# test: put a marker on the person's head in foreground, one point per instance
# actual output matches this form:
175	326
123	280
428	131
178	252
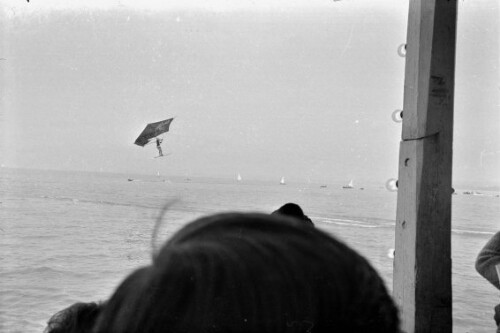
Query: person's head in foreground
77	318
293	210
257	273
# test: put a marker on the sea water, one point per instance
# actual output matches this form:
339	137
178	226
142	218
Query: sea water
70	236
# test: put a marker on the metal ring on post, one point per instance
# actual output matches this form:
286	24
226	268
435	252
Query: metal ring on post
391	185
397	116
402	50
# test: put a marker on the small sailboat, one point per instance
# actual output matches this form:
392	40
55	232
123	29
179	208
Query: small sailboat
350	185
238	178
282	181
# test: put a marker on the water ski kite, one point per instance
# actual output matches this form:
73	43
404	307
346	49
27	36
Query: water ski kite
152	133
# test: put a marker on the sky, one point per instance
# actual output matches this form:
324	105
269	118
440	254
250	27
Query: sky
303	89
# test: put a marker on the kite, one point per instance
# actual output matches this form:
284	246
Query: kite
152	131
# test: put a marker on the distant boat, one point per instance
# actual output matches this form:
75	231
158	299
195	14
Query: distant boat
472	193
323	186
238	178
282	181
350	185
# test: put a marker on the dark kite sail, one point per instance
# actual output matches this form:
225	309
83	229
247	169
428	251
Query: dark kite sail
153	130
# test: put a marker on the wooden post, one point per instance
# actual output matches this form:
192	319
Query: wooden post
422	265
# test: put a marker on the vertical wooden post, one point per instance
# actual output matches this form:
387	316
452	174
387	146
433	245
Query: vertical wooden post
422	265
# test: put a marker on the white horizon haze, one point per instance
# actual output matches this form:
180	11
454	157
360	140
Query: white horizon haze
301	89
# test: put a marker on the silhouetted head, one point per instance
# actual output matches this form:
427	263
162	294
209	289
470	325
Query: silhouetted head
77	318
263	273
497	315
293	210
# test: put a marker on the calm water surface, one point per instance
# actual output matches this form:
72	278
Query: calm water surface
69	236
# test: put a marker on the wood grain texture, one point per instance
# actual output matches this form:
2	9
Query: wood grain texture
422	265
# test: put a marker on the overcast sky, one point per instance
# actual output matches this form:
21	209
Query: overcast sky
302	89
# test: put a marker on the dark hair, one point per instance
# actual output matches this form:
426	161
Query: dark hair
293	210
252	273
77	318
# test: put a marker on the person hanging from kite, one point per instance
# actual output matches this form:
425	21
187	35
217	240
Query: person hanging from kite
152	133
158	146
